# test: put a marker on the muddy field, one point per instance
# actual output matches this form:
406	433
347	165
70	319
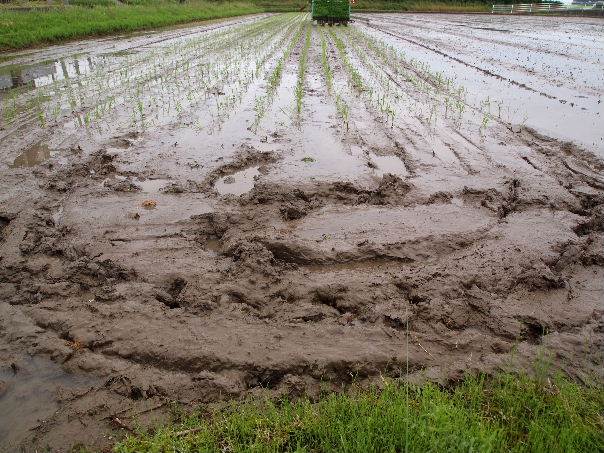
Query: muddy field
262	206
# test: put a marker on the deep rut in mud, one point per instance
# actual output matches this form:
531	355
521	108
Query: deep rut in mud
173	229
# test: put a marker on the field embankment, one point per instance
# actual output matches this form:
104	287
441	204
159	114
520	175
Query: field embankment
26	24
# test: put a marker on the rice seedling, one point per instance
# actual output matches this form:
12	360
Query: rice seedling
327	72
343	110
302	70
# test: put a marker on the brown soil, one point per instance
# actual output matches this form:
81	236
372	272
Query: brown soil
215	252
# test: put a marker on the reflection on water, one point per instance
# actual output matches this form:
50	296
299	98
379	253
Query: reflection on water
44	74
32	156
388	164
238	183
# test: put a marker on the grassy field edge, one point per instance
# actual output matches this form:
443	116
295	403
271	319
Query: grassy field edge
507	412
23	29
24	26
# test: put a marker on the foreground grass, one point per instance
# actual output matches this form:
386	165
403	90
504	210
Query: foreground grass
505	413
25	24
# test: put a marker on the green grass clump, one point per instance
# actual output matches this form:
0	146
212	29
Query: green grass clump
506	413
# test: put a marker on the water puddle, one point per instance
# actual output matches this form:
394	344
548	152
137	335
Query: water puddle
32	156
238	183
213	245
152	185
28	395
388	164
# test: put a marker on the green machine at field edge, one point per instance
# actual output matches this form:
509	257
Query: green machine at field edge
331	11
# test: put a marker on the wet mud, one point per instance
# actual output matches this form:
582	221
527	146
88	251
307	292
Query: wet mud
174	229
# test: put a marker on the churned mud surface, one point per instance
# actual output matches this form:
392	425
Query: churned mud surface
263	206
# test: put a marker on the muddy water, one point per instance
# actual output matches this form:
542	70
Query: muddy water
387	164
32	156
31	389
172	228
238	183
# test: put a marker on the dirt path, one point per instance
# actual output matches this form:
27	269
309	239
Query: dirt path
172	229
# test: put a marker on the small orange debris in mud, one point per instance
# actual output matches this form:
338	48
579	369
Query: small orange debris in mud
76	345
149	204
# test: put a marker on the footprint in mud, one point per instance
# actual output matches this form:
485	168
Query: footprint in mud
238	183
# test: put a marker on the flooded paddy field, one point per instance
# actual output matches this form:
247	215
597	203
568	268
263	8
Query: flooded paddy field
262	206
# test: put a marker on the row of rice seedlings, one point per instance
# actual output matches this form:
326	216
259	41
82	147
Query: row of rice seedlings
55	89
236	75
262	102
341	106
355	77
302	66
261	62
382	99
368	91
237	81
328	73
410	104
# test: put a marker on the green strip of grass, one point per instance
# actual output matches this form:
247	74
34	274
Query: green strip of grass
422	6
19	29
507	413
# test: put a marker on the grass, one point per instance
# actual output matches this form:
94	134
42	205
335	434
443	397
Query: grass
423	6
25	29
505	413
25	24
